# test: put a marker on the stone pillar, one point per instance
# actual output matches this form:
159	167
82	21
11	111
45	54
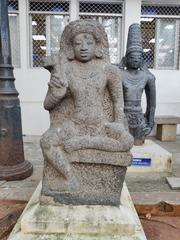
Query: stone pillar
74	10
12	163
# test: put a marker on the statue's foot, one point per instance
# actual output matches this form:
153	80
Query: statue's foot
73	183
114	130
118	132
138	142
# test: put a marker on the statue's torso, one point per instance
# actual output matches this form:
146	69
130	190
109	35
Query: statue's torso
133	87
87	83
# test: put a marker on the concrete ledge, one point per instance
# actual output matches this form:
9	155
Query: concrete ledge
132	229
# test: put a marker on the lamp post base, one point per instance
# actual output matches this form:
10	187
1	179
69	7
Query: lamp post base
16	172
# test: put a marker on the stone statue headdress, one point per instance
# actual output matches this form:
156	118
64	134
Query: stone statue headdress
85	26
134	43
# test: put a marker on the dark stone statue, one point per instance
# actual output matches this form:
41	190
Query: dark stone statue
136	78
86	148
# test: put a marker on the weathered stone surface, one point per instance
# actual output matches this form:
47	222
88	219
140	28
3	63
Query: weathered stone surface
86	148
99	222
88	220
137	78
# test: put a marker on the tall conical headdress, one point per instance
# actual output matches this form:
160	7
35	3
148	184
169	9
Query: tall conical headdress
134	42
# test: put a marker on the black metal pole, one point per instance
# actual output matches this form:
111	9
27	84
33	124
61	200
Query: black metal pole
12	163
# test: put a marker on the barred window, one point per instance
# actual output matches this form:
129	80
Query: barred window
110	16
13	14
47	21
160	27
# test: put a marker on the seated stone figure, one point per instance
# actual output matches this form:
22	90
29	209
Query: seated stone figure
86	146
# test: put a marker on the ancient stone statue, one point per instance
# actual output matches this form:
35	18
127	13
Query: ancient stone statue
86	148
136	78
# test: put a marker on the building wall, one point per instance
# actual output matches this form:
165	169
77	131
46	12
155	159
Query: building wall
32	82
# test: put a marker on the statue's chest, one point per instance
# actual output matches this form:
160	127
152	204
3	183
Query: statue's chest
87	81
134	86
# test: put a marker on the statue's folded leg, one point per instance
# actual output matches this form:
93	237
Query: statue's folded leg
53	153
98	142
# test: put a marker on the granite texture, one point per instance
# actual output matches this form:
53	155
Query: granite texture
136	79
86	148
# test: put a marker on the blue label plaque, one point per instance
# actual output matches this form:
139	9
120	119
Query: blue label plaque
142	162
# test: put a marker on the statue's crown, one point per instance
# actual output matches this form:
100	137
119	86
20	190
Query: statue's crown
134	42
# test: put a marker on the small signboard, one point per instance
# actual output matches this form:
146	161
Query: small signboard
141	162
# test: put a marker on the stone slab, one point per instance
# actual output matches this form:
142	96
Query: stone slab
133	233
161	159
87	220
174	182
167	119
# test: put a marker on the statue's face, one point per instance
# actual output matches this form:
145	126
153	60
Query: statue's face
84	46
134	60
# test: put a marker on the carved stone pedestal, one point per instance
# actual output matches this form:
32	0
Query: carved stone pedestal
50	222
98	178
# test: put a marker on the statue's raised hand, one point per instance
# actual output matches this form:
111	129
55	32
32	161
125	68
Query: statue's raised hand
58	86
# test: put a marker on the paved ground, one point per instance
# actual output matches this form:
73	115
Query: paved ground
144	187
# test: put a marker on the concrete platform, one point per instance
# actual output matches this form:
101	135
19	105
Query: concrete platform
78	223
150	157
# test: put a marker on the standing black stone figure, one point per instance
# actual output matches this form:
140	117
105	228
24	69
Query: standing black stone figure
136	79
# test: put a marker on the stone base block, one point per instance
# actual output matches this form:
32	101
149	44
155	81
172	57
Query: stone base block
166	132
67	222
160	160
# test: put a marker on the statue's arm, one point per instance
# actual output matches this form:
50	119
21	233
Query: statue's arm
56	87
150	90
116	93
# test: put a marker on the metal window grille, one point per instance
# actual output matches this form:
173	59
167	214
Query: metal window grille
49	6
160	10
100	7
110	16
13	13
13	5
47	21
160	26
